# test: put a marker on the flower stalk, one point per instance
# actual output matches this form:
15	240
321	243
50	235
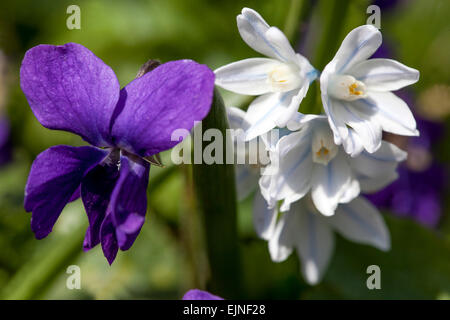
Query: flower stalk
335	13
297	14
216	198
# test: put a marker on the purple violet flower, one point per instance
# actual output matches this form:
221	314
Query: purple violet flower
196	294
69	88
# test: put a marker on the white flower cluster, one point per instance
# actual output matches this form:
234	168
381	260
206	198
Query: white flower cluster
321	163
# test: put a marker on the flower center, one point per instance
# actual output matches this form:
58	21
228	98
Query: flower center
285	77
323	147
346	87
323	152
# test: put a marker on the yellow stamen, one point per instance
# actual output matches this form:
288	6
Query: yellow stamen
352	90
322	151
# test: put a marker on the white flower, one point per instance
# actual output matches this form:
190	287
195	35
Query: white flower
311	234
251	157
246	175
309	160
281	80
357	97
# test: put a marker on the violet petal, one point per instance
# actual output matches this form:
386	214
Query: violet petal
96	189
108	239
151	107
54	177
76	195
69	88
196	294
129	200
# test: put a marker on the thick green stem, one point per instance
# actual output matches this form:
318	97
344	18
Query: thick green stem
216	196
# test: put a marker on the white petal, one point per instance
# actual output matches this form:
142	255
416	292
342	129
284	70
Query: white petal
376	170
271	138
393	113
246	176
353	144
264	111
282	241
249	76
372	184
265	187
290	199
295	162
385	159
365	126
236	118
361	222
351	192
337	124
264	219
314	243
246	180
384	74
269	41
291	111
306	68
328	183
357	46
300	119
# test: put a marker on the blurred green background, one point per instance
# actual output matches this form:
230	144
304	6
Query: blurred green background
168	257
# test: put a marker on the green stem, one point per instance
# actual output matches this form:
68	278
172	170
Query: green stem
192	234
291	26
216	196
298	12
335	12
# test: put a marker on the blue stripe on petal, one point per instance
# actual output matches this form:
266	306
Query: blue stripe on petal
245	77
253	23
353	54
329	175
267	114
331	117
379	75
312	75
359	221
293	168
387	115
